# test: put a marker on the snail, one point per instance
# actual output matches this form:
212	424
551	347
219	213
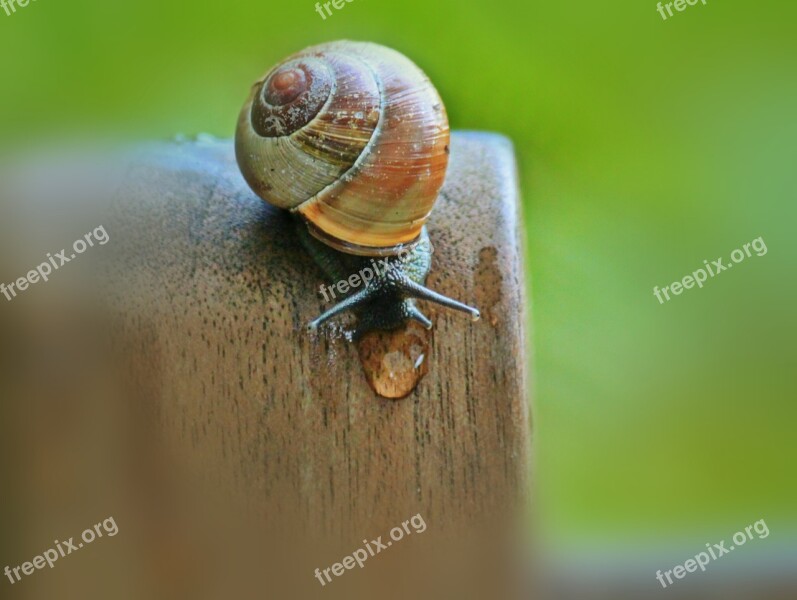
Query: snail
352	138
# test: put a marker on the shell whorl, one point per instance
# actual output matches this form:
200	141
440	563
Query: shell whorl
290	97
353	137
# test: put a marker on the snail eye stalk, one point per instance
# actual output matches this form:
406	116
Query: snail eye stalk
360	298
401	287
416	290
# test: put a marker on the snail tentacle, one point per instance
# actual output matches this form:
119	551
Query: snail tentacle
361	297
416	290
418	316
387	301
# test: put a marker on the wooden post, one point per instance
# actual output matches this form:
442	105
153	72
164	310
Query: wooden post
245	419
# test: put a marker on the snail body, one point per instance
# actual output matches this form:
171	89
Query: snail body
353	139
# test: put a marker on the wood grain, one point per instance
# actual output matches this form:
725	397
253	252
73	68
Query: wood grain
213	292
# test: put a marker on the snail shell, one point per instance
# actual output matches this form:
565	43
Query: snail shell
353	137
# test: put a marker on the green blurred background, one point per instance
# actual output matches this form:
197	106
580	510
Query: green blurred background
644	146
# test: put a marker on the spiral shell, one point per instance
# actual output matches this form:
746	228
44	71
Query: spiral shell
353	137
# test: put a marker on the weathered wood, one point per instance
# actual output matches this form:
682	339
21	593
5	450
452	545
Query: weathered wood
213	291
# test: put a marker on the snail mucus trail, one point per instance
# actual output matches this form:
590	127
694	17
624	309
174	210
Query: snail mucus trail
352	138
